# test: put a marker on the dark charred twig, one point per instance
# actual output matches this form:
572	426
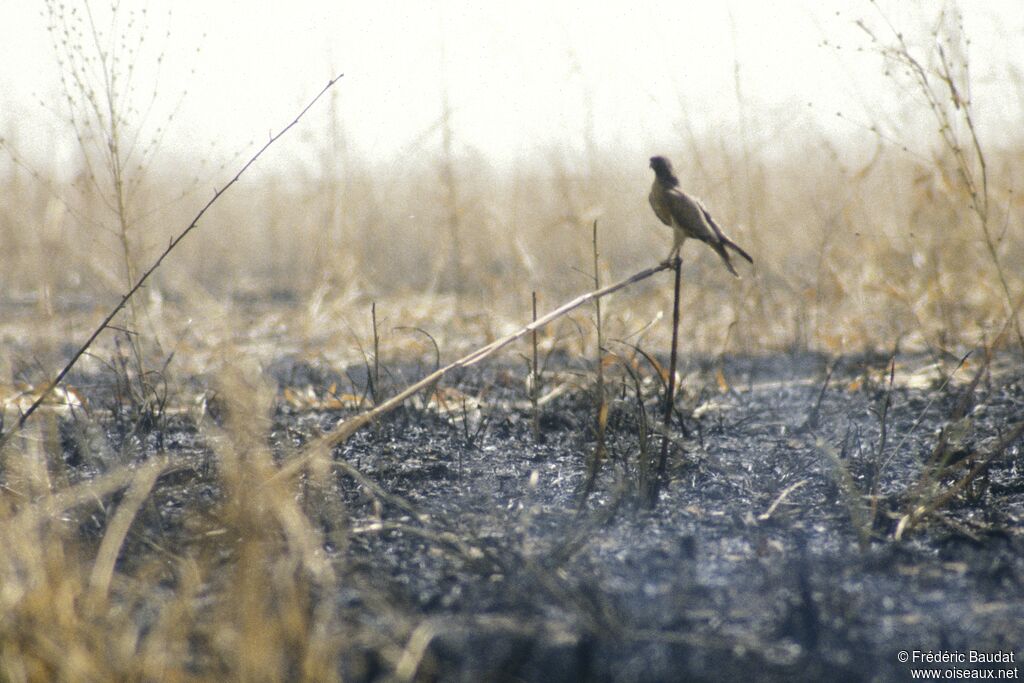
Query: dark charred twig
375	374
601	400
535	379
655	365
670	395
883	417
156	264
437	354
659	374
812	418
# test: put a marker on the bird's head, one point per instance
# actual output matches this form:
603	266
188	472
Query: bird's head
663	170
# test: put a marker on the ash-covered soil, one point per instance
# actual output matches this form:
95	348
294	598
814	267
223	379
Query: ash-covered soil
772	552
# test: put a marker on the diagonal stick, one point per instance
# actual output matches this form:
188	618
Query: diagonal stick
156	264
350	426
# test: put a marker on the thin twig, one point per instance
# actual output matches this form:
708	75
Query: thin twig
670	394
535	379
156	264
601	403
375	391
883	418
812	418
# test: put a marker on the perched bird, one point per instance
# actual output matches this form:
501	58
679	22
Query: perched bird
687	216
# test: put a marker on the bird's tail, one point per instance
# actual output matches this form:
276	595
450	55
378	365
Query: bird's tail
737	248
725	257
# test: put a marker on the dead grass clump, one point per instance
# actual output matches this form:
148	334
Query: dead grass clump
245	597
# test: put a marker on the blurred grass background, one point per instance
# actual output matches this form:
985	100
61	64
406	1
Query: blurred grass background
847	259
888	231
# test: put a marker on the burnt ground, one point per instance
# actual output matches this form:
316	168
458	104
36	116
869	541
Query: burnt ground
771	554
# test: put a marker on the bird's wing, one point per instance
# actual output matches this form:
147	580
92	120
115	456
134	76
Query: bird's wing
721	235
710	221
659	204
690	216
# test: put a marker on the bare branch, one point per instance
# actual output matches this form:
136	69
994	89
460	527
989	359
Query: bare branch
156	264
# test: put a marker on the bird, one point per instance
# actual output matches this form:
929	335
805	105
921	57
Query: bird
686	215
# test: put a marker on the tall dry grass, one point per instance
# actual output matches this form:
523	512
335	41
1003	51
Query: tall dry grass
846	258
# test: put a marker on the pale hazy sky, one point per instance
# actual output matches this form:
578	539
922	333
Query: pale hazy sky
522	78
